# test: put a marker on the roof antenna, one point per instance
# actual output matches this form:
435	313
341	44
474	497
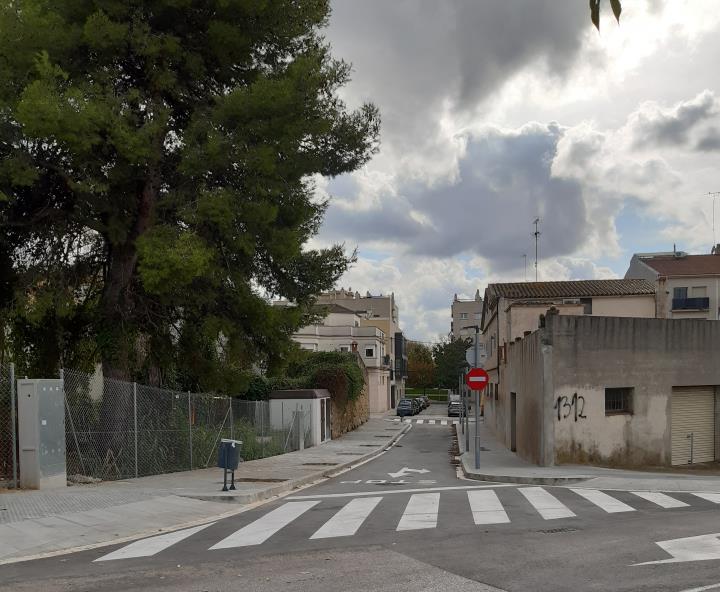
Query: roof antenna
537	235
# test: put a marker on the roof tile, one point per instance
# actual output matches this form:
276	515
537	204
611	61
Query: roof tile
690	265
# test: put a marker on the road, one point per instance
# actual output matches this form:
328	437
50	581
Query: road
404	521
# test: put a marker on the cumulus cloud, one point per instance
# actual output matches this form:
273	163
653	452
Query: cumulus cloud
427	64
447	205
504	181
653	126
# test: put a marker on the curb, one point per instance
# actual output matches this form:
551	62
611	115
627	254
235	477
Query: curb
290	484
519	478
243	503
472	474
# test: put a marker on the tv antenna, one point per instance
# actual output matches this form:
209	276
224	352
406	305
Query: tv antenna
713	195
537	233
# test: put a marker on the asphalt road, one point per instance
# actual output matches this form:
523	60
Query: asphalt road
404	521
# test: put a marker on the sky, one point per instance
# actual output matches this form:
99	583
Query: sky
498	112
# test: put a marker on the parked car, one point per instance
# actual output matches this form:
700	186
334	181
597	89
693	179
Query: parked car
454	408
427	401
417	405
405	407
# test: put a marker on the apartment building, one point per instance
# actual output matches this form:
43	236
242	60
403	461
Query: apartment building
465	315
341	330
687	286
380	312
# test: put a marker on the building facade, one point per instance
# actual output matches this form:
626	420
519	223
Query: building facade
513	310
341	330
687	286
380	312
465	315
612	391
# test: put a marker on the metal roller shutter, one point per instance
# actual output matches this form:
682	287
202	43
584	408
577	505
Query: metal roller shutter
693	412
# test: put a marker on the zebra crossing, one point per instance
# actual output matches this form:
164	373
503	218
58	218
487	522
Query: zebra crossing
426	421
421	513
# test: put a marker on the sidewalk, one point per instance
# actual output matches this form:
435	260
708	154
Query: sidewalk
47	523
499	464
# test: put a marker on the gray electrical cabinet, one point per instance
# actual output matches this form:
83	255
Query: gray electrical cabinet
41	433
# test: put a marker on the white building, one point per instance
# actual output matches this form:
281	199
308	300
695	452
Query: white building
341	331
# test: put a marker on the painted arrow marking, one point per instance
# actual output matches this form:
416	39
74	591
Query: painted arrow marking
406	471
697	548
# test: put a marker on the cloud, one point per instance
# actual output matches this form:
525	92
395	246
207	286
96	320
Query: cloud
653	126
428	65
504	180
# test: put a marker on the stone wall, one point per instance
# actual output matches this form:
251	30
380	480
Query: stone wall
346	414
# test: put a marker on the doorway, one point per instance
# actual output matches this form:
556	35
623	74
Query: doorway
513	422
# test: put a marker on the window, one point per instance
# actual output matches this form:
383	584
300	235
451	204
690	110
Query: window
587	305
478	316
492	345
680	293
344	348
369	352
463	316
698	292
618	400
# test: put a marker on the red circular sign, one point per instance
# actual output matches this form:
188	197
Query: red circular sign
477	379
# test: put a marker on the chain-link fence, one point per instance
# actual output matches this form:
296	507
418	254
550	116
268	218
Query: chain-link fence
8	427
116	430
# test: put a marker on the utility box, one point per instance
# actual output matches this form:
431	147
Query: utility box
306	409
41	433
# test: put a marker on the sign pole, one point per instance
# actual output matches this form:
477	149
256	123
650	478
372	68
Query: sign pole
477	403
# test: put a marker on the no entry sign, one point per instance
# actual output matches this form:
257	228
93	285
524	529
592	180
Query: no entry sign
477	379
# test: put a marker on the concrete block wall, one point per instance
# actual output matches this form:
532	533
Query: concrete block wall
590	354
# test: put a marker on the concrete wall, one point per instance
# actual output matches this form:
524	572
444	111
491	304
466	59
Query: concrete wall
529	395
590	354
624	306
378	390
560	373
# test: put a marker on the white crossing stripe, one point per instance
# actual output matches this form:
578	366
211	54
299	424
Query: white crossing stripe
153	545
604	501
486	507
455	422
396	419
431	421
407	420
347	521
263	528
419	421
443	422
420	512
547	505
711	497
662	500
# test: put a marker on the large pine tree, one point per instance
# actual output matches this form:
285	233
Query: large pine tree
156	180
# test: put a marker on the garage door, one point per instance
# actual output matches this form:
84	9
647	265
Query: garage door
693	412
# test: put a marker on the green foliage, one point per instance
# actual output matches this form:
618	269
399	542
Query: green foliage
421	366
337	372
595	11
450	361
156	166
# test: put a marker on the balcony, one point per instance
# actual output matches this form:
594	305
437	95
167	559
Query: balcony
691	303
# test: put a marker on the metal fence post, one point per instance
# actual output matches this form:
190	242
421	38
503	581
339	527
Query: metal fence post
13	429
190	430
135	426
232	421
262	429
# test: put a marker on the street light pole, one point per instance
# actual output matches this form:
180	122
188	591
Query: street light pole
477	401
